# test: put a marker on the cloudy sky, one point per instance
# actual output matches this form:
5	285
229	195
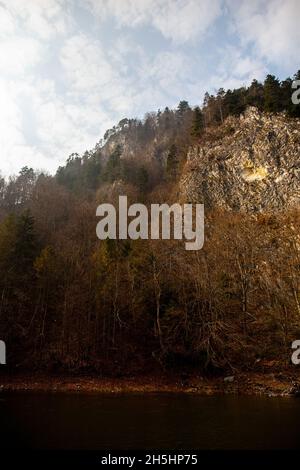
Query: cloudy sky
70	69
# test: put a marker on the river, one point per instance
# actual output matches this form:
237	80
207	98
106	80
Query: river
158	421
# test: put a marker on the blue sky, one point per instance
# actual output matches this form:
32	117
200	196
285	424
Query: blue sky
70	69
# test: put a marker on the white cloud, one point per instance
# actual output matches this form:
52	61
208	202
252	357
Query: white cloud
178	20
7	25
96	77
101	78
18	54
184	20
236	68
59	127
85	64
65	127
15	151
272	27
45	18
161	78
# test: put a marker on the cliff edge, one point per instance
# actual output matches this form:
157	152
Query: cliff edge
251	163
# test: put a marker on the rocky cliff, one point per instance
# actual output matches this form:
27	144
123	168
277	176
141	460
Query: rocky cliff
251	163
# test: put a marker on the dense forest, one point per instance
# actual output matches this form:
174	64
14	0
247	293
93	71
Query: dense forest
71	302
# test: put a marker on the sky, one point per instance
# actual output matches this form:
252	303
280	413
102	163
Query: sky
70	69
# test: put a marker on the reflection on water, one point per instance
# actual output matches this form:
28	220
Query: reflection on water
90	421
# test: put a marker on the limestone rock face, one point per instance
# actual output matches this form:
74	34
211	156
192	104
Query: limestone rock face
251	164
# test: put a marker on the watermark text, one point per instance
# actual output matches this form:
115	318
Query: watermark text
160	222
2	353
296	354
296	93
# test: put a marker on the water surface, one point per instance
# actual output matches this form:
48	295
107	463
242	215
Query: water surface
162	421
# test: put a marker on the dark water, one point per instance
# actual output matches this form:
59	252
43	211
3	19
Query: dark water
88	421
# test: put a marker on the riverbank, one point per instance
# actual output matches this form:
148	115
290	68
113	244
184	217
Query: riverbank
270	384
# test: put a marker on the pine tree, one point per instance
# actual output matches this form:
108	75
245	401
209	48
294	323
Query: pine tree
198	123
255	95
143	179
182	109
172	162
235	101
19	248
272	95
113	166
286	95
220	99
26	246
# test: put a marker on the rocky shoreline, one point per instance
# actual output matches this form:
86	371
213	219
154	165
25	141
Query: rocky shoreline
271	384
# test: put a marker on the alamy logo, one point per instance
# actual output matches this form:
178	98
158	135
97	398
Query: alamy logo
2	353
296	94
296	354
162	218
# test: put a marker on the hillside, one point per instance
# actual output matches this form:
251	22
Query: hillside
70	302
